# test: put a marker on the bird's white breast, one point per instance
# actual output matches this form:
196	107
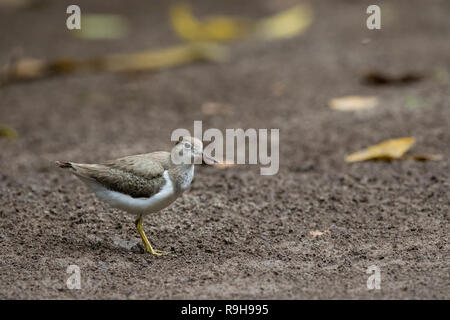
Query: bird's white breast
188	175
138	206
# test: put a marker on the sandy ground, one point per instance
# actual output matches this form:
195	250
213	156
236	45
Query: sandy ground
235	234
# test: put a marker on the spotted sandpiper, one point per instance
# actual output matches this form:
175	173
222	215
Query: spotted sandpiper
144	183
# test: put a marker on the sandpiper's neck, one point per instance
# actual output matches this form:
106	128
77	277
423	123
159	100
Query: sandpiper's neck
181	176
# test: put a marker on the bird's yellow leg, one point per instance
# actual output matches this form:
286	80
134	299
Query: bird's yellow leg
147	244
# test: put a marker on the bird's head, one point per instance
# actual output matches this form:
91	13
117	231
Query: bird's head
189	150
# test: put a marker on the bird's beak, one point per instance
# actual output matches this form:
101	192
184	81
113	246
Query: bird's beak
209	160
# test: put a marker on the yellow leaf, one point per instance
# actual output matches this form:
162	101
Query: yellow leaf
163	58
29	69
286	24
353	103
8	133
413	102
217	28
102	26
390	149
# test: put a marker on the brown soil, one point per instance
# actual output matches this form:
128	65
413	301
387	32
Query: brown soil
235	234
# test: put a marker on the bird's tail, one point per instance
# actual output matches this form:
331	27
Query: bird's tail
64	164
81	170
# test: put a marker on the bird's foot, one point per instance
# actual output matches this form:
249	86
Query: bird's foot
157	252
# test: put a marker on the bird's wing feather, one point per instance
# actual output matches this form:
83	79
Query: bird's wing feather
140	176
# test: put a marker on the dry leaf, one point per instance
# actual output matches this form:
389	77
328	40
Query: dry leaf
224	164
318	233
102	26
8	133
379	78
315	233
215	108
353	103
422	157
388	150
29	69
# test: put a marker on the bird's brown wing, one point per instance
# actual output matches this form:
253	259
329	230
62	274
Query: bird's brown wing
139	176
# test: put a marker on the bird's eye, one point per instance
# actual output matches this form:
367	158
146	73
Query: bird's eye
187	145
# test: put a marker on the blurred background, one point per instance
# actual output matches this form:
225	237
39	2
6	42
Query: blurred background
137	70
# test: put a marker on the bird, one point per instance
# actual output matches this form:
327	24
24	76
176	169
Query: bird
145	183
